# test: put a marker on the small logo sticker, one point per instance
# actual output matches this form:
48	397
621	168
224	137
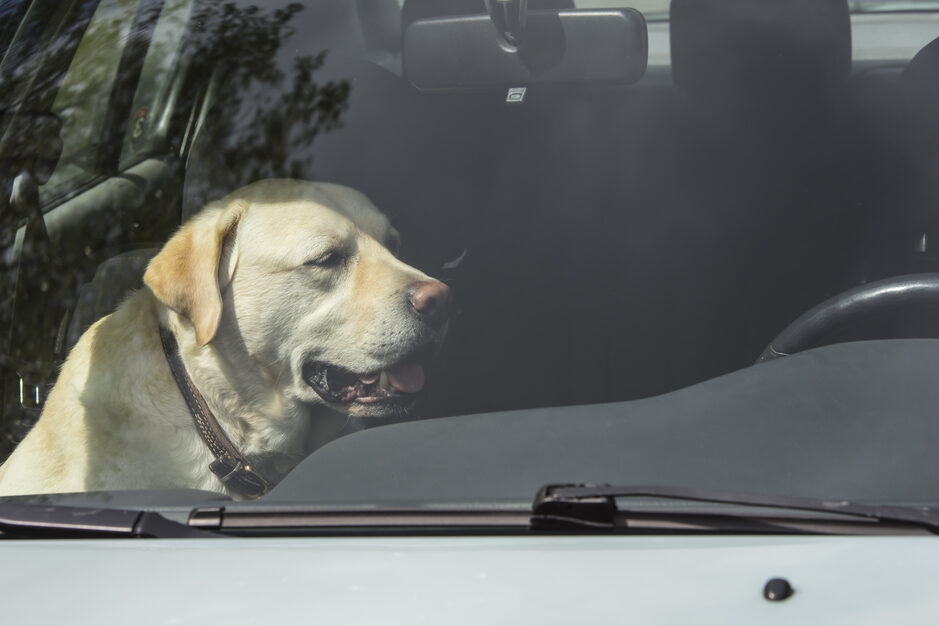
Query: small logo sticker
516	95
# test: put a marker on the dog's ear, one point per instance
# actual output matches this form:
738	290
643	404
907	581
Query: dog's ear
185	274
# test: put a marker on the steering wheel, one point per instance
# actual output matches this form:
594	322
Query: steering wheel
910	290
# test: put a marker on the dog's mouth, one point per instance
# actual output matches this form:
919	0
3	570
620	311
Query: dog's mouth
399	382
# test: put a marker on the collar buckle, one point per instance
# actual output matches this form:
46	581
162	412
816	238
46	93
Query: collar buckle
229	465
239	476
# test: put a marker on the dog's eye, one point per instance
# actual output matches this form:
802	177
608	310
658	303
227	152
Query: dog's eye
329	259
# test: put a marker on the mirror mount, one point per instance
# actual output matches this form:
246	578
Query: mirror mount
512	47
510	18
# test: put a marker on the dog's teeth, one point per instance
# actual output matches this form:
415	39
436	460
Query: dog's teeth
383	381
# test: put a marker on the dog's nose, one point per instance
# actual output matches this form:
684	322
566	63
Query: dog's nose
432	300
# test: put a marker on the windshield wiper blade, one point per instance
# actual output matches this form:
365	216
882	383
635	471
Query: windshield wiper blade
573	506
27	520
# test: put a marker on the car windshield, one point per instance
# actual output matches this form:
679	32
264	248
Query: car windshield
445	250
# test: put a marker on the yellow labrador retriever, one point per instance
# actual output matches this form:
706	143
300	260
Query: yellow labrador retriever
284	311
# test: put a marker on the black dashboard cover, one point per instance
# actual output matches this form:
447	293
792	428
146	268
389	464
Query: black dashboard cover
857	421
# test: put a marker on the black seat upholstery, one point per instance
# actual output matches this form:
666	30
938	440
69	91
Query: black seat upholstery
920	76
744	53
114	280
920	82
920	86
742	218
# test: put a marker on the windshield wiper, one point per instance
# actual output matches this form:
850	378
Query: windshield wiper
578	508
32	521
585	507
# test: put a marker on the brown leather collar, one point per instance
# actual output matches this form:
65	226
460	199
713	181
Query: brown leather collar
229	465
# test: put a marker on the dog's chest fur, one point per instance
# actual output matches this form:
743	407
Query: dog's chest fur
132	429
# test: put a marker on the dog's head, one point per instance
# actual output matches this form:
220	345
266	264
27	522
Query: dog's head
302	278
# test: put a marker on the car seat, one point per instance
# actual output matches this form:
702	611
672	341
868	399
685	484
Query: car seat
114	279
764	160
920	91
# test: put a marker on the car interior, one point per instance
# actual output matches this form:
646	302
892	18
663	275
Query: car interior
604	241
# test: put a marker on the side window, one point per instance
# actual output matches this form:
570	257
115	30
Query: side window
11	14
81	102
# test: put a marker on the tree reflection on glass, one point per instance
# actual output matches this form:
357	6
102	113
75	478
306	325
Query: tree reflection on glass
256	113
267	113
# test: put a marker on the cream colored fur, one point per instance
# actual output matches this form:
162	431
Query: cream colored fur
234	287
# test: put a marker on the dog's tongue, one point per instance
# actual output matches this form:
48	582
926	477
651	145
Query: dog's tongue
406	377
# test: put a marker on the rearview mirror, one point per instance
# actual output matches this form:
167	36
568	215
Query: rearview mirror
469	53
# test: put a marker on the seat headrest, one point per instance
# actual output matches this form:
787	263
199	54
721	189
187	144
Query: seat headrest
331	25
921	76
759	47
381	24
920	81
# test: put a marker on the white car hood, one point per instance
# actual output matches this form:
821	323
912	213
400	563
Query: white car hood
471	580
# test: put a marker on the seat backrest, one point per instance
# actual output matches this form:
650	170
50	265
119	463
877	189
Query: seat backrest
920	142
114	280
756	226
759	52
920	81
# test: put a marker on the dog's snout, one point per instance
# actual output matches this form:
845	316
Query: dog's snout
432	300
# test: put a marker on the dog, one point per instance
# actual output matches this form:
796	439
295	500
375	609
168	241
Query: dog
288	313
